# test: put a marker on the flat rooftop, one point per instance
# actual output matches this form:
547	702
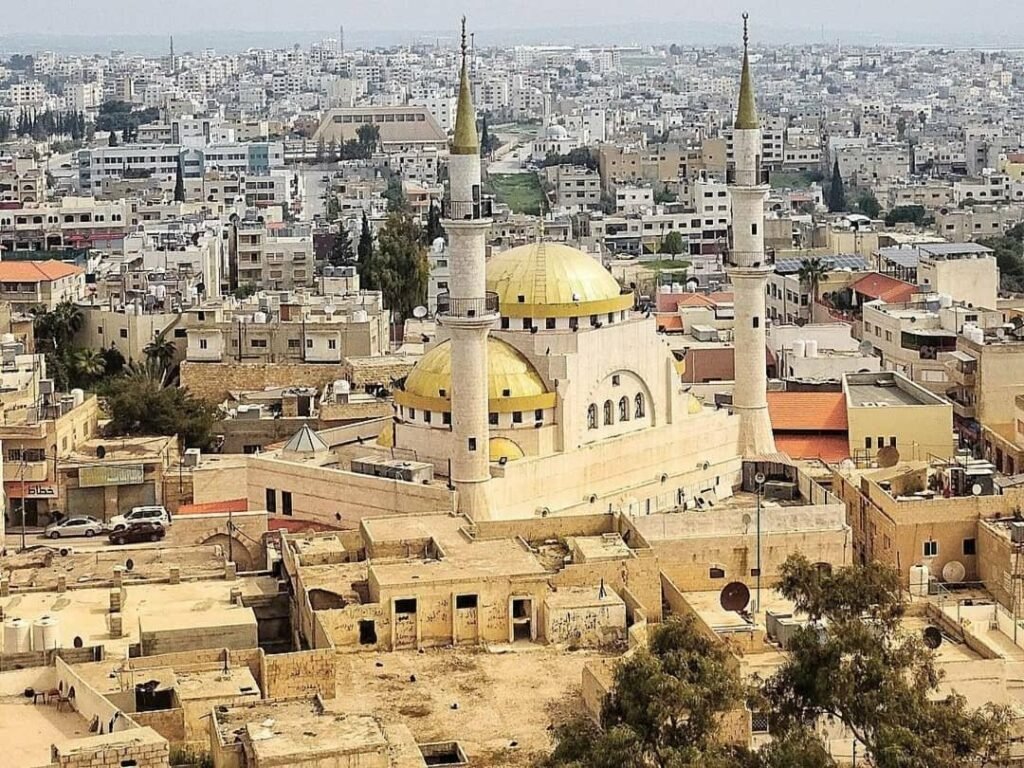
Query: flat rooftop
28	730
886	388
718	522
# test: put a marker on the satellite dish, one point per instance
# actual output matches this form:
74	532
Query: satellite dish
888	456
953	572
759	478
735	596
846	466
867	348
747	519
419	312
976	489
932	637
129	564
101	452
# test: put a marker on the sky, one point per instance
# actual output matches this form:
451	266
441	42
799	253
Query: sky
981	22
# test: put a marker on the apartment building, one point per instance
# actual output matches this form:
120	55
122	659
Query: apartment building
28	285
965	225
268	256
576	187
21	181
72	222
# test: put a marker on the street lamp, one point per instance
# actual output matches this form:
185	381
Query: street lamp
759	479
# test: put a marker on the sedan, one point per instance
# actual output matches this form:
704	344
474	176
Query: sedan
137	532
75	526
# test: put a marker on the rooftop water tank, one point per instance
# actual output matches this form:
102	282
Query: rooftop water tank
17	636
46	633
799	348
811	348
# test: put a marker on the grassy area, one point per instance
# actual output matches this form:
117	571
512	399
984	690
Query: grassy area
519	191
794	179
666	265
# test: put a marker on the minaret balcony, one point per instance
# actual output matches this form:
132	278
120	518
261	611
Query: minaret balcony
455	210
486	306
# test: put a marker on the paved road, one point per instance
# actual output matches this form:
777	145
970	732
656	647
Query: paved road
312	188
77	543
511	162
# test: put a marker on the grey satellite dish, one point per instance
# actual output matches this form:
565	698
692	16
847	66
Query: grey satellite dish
976	489
867	348
953	572
419	312
932	637
747	519
735	596
759	478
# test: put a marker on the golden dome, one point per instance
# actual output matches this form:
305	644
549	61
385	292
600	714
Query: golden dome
513	384
553	280
503	448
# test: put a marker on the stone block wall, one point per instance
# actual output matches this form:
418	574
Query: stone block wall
212	381
289	675
139	747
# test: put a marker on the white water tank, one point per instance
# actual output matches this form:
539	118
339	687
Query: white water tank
811	348
664	289
360	316
799	348
7	338
161	292
677	287
17	636
45	633
920	575
78	395
945	300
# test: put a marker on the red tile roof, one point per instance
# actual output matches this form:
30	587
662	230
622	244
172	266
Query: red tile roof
36	271
667	321
888	289
807	411
215	507
831	448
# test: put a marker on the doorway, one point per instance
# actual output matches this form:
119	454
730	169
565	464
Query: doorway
522	619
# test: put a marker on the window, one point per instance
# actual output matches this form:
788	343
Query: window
517	417
294	343
608	414
716	573
757	322
592	416
472	443
258	343
446	417
970	547
549	323
332	343
504	323
286	502
309	343
465	601
527	323
405	605
124	333
426	416
931	548
271	500
892	441
202	344
624	409
412	413
867	442
492	419
638	405
615	379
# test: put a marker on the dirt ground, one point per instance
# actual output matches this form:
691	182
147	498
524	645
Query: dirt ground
500	707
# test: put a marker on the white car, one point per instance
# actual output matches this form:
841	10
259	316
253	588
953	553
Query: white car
148	514
76	525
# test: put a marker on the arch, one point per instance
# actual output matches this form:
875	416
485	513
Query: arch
239	552
640	405
609	413
624	408
592	416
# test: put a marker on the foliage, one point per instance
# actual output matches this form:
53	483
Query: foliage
115	116
189	757
914	214
398	267
364	251
868	204
433	229
341	249
854	664
579	156
1009	252
665	195
333	209
519	191
488	141
794	179
54	332
244	291
812	273
44	125
160	351
395	194
836	198
112	139
673	244
140	404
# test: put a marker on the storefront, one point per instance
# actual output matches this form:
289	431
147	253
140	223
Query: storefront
105	490
37	501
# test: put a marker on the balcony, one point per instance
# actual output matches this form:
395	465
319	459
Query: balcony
961	407
459	211
450	307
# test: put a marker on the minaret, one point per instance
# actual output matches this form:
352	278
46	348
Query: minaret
468	311
171	62
748	268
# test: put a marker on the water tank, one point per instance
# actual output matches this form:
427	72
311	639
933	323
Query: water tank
161	292
329	270
17	636
799	348
259	317
945	300
7	338
360	316
677	287
919	578
342	385
811	348
45	633
78	395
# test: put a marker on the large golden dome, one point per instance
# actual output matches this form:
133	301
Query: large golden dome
513	384
553	280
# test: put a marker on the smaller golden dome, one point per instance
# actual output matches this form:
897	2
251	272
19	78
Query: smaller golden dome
553	280
513	384
503	448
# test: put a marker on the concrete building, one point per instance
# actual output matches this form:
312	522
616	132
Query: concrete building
576	188
401	128
28	285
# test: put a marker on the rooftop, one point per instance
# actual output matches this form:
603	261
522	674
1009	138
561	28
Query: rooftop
885	388
808	411
36	271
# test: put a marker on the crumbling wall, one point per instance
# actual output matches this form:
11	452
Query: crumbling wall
289	675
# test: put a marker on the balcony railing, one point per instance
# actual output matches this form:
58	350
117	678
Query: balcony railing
461	211
451	307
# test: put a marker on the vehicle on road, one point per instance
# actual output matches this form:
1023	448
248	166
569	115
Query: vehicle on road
137	532
147	514
76	525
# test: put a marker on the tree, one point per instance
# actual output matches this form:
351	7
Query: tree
673	244
901	128
367	140
179	183
341	250
113	361
812	273
488	141
664	195
433	229
87	365
399	268
854	664
914	214
112	139
333	209
321	151
836	191
395	194
364	253
161	352
1009	253
868	204
332	151
139	404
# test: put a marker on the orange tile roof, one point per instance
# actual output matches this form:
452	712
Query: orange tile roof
668	321
888	289
36	271
808	411
670	302
830	448
215	507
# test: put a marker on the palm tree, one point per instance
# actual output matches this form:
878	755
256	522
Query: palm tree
88	364
160	351
812	273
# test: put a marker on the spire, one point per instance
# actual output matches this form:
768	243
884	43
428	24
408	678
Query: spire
746	116
465	141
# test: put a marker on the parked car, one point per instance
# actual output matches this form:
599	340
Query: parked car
76	525
147	514
137	532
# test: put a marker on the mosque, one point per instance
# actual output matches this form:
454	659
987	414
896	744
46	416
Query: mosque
548	393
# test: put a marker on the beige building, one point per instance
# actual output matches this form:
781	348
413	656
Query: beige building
28	285
263	256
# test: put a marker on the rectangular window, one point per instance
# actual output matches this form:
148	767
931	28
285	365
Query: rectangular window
124	333
892	441
405	605
549	323
492	419
757	322
446	417
202	343
753	229
465	601
867	442
517	417
970	547
271	500
332	343
286	502
931	548
538	414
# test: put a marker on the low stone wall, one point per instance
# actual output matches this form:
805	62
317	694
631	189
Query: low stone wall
305	673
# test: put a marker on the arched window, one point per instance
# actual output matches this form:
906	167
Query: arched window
639	410
608	414
624	409
592	417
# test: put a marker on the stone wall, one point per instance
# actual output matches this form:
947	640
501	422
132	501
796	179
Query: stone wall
212	381
289	675
138	747
169	723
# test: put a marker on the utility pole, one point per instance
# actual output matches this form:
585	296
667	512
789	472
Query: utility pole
231	535
22	469
759	479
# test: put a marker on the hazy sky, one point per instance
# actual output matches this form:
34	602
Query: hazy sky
998	19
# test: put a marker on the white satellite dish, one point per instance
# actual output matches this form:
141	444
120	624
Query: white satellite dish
419	312
329	309
759	478
953	572
976	489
